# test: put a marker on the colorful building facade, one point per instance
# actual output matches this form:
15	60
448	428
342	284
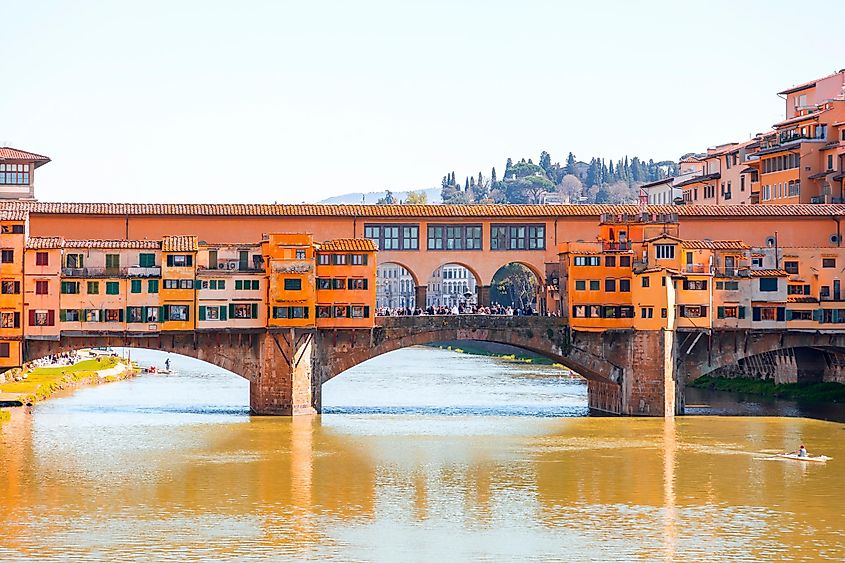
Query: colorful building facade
51	286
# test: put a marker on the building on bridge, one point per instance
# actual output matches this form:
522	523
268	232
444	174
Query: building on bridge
395	287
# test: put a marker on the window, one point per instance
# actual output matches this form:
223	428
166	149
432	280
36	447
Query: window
70	288
69	315
152	286
10	320
624	261
798	289
727	285
454	237
324	312
799	315
580	285
5	349
324	283
790	267
73	261
148	260
41	258
696	285
768	313
646	281
180	260
768	284
135	286
730	312
610	285
625	285
828	262
41	287
7	256
664	251
293	284
586	260
357	284
324	259
359	311
610	261
216	284
393	237
175	312
243	310
663	313
359	259
693	311
594	285
338	259
135	314
340	311
93	288
300	254
247	285
518	237
338	283
152	314
112	288
290	312
42	318
113	315
824	292
646	312
10	287
14	174
112	261
178	284
186	284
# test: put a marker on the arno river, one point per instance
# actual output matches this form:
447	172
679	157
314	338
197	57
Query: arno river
421	455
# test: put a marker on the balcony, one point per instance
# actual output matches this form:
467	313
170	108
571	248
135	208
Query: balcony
144	271
695	268
230	270
621	246
94	272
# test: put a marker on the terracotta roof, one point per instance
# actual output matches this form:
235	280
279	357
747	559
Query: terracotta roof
8	153
41	243
58	242
13	215
699	179
715	244
348	244
799	118
413	211
819	175
180	243
748	170
768	273
100	243
805	85
657	183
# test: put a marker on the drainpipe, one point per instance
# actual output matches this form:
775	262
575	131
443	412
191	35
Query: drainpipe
838	232
126	233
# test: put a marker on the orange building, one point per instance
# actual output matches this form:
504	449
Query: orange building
291	271
178	277
12	243
346	292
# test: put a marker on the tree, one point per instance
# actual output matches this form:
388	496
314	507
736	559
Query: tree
571	188
514	285
416	198
545	162
570	165
493	176
388	199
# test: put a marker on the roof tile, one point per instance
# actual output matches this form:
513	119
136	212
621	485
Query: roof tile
348	244
180	243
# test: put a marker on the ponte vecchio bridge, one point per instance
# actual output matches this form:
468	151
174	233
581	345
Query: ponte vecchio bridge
630	371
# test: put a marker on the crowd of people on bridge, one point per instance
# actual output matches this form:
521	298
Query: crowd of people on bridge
462	309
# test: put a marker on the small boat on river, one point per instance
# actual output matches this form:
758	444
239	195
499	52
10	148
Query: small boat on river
810	458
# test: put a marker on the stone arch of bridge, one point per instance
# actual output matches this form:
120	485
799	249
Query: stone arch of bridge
531	267
726	350
239	353
543	337
405	266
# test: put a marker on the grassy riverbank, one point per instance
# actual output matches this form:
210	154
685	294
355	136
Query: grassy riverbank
41	382
524	357
817	392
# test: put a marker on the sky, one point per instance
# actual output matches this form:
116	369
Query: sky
280	101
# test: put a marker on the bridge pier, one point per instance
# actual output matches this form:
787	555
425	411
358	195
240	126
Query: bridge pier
482	293
285	383
420	296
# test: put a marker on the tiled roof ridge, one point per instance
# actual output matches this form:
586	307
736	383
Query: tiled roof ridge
399	210
7	152
346	244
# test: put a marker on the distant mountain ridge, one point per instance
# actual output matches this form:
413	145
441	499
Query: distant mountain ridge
433	195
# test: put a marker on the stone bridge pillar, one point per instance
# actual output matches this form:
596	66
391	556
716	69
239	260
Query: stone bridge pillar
285	383
420	296
483	295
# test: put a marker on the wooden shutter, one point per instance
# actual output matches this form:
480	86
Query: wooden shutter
17	319
781	313
231	310
720	312
51	317
818	315
741	312
32	317
366	309
63	315
189	260
255	310
161	313
223	311
202	312
239	284
170	260
755	313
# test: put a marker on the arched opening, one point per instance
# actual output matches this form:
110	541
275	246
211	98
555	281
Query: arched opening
396	287
517	286
452	286
457	378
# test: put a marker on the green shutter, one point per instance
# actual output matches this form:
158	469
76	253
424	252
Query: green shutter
212	284
170	260
202	312
221	284
161	314
239	284
136	286
120	316
231	310
112	288
742	312
720	312
62	315
781	313
255	310
152	286
818	315
367	309
223	315
834	315
189	259
256	284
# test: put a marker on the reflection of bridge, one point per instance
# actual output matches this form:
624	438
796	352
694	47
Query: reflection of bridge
628	372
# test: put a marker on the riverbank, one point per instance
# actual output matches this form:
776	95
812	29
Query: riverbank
812	392
494	350
40	383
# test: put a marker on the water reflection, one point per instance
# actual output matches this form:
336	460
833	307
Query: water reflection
133	470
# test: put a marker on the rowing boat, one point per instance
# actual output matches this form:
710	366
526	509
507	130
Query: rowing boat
796	457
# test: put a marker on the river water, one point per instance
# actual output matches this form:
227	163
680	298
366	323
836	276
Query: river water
421	455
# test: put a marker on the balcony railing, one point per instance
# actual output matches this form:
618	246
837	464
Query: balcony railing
696	268
620	246
144	271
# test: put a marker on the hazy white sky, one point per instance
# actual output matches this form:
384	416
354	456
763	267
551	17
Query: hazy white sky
252	101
